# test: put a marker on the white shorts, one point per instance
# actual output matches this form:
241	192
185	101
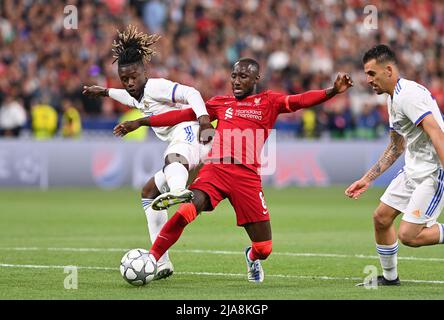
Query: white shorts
186	143
420	201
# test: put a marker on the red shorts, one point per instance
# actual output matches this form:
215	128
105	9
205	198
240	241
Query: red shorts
239	184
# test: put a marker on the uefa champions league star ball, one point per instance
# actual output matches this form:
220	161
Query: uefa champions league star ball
137	267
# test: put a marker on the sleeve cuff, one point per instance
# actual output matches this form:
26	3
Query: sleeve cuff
417	122
173	97
112	93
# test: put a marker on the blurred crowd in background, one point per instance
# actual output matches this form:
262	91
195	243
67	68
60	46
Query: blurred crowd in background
300	45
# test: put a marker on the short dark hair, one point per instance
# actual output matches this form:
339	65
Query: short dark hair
250	61
133	46
381	53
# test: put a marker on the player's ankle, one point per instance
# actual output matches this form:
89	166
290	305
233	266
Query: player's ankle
390	274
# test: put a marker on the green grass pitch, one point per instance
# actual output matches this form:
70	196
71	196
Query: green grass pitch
322	242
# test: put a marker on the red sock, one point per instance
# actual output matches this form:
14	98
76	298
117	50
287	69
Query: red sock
260	250
172	230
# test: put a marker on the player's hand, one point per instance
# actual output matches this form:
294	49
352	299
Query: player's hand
356	188
95	91
125	127
206	130
342	83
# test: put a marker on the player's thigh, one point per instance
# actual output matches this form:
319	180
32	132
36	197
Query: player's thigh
248	199
210	187
176	157
426	202
395	199
408	230
183	152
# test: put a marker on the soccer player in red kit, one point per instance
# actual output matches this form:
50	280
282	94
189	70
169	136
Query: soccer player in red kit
229	172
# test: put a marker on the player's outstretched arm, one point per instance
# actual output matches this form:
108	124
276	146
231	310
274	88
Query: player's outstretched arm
436	134
166	119
119	95
393	151
95	91
311	98
342	83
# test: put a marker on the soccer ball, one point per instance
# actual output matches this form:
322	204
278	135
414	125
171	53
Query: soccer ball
137	267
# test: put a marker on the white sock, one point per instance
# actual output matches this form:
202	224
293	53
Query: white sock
156	220
176	176
441	232
388	255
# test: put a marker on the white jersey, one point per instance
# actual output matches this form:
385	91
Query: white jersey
411	102
161	95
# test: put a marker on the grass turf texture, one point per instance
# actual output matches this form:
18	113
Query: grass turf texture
304	220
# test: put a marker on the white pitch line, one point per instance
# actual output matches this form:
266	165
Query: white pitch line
66	249
5	265
34	266
222	252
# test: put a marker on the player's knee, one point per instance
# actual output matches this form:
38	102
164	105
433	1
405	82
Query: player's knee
145	193
176	158
381	220
148	192
262	250
407	239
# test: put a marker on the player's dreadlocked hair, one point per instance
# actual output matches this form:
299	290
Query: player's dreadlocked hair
133	46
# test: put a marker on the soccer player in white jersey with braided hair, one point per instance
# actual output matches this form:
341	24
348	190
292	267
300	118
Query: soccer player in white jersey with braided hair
133	51
416	127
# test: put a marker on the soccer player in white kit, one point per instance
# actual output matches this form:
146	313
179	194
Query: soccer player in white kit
416	126
151	97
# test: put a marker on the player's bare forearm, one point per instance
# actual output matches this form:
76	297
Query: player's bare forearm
145	121
438	143
204	119
439	147
206	130
128	126
393	151
436	135
330	92
95	91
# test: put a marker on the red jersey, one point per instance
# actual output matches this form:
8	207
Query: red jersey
243	125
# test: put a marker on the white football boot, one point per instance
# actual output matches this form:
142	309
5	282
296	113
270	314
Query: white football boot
254	269
168	199
164	270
